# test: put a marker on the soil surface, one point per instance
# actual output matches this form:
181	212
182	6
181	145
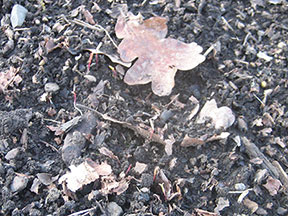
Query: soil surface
58	109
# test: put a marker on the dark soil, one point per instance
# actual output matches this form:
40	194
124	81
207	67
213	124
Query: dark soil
232	74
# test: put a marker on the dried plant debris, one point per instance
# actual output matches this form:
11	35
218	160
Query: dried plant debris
222	117
9	78
75	140
159	58
272	185
90	171
85	173
221	204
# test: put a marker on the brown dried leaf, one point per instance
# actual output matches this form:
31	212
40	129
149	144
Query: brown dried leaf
222	117
272	185
84	174
88	16
108	153
159	58
140	167
9	77
50	45
190	141
111	185
253	206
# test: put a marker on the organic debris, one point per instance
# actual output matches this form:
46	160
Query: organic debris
159	58
272	185
108	153
85	173
9	78
221	117
165	185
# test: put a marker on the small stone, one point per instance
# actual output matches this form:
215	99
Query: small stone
12	154
261	211
242	125
3	145
275	1
281	211
166	115
18	183
8	47
240	186
90	78
51	87
18	15
114	209
45	19
53	195
37	22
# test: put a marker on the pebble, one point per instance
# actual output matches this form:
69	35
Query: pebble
114	209
261	211
3	145
12	154
166	115
51	87
240	186
18	183
18	15
53	195
281	211
275	1
8	47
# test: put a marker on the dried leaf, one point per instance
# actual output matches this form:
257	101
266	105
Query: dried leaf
221	204
222	117
114	58
189	141
108	153
140	167
88	16
46	178
9	77
35	185
83	174
169	145
110	185
65	127
253	206
272	185
159	58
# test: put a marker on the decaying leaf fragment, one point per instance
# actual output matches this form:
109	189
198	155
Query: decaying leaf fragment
85	173
9	77
222	117
159	58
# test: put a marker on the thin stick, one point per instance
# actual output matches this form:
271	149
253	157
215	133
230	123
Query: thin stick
51	146
213	46
96	27
83	211
262	103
